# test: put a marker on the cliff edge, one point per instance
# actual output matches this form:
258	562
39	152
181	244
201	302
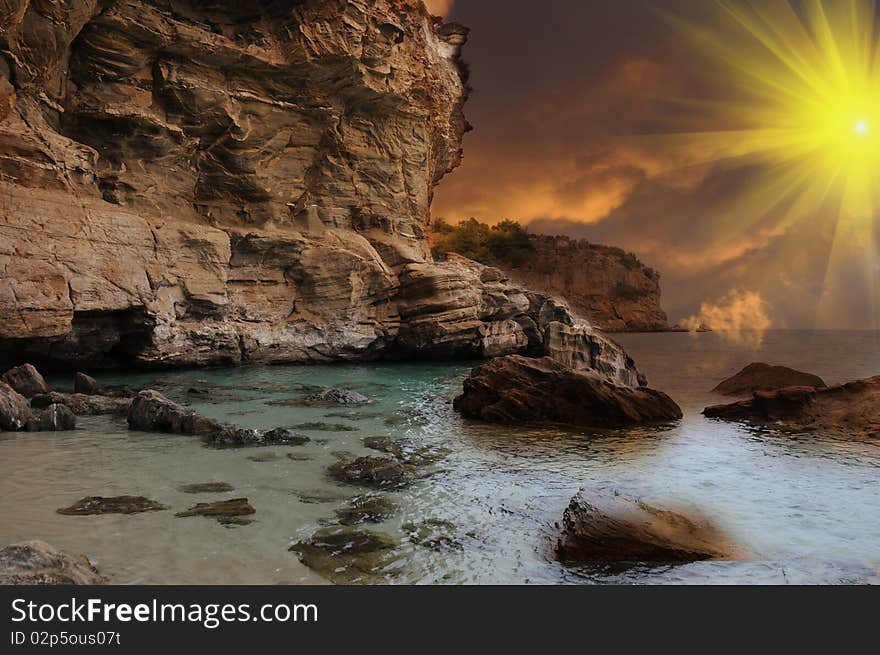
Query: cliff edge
190	183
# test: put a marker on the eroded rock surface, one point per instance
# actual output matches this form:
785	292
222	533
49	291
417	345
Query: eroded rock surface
613	529
190	183
14	409
26	380
38	563
54	418
764	377
376	472
95	505
848	410
521	390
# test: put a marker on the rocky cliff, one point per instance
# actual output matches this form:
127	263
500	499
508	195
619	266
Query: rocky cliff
607	285
189	182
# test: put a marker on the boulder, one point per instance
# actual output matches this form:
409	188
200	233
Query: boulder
38	563
54	418
14	409
611	529
26	380
764	377
86	385
520	390
849	410
96	505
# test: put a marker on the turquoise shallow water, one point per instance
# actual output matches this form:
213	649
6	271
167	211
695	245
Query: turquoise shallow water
807	508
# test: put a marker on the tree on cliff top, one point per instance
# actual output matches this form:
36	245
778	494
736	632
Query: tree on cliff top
508	242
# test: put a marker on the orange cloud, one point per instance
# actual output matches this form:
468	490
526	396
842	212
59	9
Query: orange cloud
740	316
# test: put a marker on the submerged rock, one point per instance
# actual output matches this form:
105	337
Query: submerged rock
54	418
83	405
435	534
521	390
764	377
320	496
26	380
376	472
207	488
338	397
14	409
38	563
263	458
347	555
367	509
94	505
612	529
222	509
150	411
325	427
406	451
847	410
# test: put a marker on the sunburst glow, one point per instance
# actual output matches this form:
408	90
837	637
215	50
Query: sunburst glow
800	98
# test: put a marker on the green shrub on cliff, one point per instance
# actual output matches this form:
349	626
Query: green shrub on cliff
505	243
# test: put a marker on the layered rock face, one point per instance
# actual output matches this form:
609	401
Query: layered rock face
610	287
188	183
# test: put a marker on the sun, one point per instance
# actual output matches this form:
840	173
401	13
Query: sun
792	112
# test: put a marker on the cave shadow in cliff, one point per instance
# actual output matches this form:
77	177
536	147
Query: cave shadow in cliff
100	340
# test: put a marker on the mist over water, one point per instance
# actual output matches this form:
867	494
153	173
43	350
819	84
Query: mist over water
807	508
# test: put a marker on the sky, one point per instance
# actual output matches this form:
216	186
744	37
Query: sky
569	97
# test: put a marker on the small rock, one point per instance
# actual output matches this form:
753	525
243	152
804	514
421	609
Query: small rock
223	508
298	457
406	452
54	418
26	380
338	397
262	458
325	427
366	509
284	437
86	385
94	505
435	534
14	409
377	472
207	488
347	555
320	496
38	563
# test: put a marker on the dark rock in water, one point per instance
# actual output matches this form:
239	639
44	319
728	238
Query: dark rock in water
406	451
207	488
435	534
234	521
38	563
26	380
612	529
764	377
521	390
338	397
83	405
320	496
14	409
367	509
377	472
263	458
223	509
54	418
299	457
347	555
355	416
325	427
86	385
150	411
94	505
848	410
284	437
